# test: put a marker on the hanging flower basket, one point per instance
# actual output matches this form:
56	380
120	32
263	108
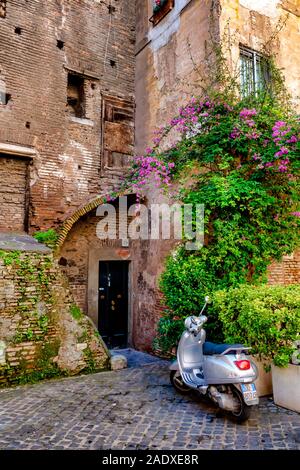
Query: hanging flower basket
160	9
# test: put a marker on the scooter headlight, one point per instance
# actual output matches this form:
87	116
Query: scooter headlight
193	324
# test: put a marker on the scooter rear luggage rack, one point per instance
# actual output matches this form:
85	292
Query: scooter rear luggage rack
234	349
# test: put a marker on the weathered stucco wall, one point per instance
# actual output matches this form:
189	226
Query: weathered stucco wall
41	42
174	55
167	61
271	26
42	331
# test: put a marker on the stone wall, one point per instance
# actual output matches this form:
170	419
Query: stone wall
43	333
45	44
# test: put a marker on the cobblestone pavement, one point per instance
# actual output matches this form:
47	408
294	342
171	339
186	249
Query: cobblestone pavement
135	408
136	358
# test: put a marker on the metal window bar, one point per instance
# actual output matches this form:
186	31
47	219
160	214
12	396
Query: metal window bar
255	73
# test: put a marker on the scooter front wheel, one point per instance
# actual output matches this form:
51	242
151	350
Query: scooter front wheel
243	411
178	383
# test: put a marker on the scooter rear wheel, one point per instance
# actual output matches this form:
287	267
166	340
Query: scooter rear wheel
244	411
177	382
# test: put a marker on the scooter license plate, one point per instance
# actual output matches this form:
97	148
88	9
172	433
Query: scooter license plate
249	392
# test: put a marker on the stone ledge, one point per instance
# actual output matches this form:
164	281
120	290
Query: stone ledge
21	242
17	150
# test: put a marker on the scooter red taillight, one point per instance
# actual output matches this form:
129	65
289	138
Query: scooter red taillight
243	365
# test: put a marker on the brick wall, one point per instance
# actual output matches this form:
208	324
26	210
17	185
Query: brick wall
286	272
42	42
13	194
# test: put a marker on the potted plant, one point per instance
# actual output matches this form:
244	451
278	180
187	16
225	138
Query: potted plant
266	318
286	382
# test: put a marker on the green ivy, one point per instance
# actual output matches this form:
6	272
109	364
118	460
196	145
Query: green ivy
9	257
76	312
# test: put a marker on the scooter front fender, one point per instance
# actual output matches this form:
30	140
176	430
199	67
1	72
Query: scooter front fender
174	365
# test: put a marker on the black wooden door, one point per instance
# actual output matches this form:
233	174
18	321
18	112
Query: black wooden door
113	302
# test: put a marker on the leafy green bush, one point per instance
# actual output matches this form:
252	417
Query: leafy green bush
267	318
169	331
49	237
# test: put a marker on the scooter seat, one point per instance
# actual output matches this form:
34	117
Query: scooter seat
209	349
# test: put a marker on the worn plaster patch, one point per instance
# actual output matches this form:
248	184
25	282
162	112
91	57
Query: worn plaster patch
264	7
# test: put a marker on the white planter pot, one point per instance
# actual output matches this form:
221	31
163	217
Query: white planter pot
286	386
264	381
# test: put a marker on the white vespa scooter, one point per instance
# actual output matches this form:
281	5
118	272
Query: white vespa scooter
222	372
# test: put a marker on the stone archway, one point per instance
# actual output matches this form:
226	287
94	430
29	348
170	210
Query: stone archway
80	212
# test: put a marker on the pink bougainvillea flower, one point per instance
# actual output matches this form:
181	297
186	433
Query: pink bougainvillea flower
235	133
247	113
282	151
292	140
252	136
278	125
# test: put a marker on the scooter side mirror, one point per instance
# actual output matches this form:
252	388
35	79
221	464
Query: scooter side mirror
208	299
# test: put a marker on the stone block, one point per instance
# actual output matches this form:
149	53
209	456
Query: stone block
118	361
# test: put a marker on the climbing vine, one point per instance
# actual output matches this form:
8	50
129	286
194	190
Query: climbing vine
239	157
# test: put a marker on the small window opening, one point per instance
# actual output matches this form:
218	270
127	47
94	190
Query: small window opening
27	125
112	63
60	44
4	97
75	95
18	30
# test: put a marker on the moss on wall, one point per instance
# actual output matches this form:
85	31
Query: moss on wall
45	333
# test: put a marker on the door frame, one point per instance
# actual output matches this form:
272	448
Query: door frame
106	254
